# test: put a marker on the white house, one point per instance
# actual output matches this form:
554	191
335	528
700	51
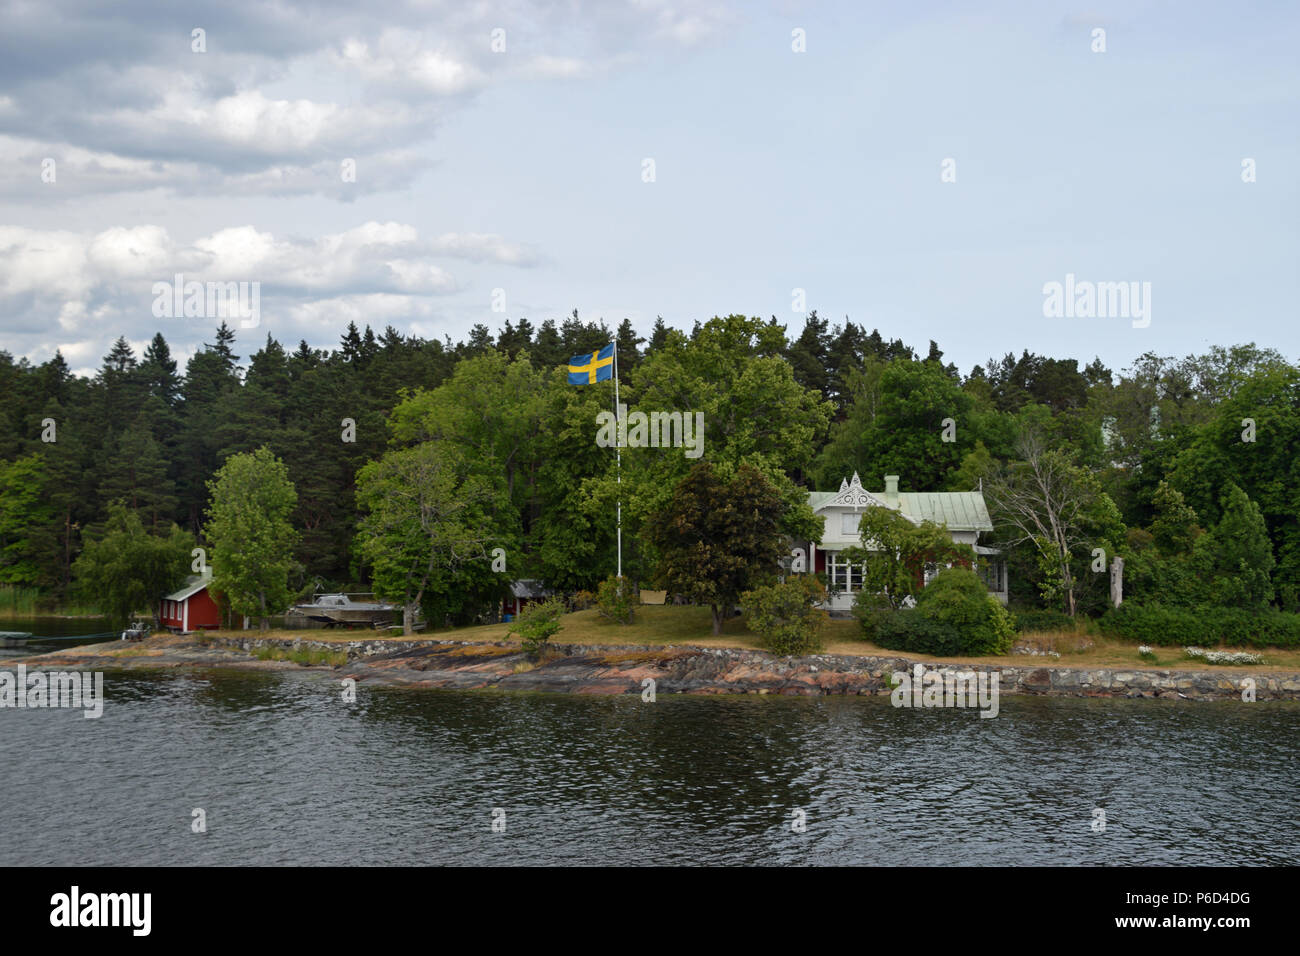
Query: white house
962	512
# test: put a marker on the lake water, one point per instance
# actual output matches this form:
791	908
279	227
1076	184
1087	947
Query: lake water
57	631
288	773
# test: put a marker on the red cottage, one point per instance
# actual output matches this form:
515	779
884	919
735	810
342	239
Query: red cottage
191	608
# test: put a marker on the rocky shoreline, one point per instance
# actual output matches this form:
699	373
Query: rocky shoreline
611	670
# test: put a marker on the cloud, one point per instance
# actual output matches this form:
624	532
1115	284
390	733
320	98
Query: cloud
118	95
85	281
399	59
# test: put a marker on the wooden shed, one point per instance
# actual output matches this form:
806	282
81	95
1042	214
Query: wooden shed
192	607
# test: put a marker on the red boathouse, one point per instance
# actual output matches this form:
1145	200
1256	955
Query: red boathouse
191	608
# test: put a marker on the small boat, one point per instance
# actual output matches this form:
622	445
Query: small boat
14	638
138	631
334	610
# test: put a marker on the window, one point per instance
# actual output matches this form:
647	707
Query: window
843	576
849	522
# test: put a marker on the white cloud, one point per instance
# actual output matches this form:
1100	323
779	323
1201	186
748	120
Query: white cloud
90	280
399	59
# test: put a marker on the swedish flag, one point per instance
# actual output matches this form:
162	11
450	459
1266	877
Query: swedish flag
592	367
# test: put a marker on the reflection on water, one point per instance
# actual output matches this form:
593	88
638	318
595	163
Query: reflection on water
60	631
289	773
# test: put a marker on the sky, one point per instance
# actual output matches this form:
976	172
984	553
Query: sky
922	168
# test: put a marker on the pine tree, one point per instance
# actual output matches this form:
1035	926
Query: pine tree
628	344
1235	558
658	335
350	344
158	371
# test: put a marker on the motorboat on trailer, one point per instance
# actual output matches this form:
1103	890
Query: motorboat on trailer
345	610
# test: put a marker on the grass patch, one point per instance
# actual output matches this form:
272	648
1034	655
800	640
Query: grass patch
304	656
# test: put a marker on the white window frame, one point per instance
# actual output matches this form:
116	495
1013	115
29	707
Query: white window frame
840	573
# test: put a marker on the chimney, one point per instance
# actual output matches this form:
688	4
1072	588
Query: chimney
891	488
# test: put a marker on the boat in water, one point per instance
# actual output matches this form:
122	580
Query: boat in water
345	610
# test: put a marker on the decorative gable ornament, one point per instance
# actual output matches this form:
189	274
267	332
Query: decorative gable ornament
853	495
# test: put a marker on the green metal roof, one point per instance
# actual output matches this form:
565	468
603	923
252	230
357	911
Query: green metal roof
959	510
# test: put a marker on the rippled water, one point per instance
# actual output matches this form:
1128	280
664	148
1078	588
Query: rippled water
289	773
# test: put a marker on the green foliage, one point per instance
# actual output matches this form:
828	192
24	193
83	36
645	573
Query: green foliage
538	622
1052	513
25	515
896	426
305	656
1170	626
958	598
1249	383
730	371
251	534
1163	441
955	614
1175	527
126	569
1228	566
718	538
616	600
909	631
427	524
896	554
1235	558
1037	621
785	615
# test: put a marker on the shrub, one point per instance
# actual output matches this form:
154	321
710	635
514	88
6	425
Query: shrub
581	600
785	616
909	631
1183	627
537	622
955	614
616	600
958	598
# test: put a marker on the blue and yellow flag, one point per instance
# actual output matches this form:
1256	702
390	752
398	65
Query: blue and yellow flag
592	367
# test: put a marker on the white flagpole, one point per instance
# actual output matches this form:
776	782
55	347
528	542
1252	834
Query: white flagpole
618	458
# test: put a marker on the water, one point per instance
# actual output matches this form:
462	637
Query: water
290	774
60	632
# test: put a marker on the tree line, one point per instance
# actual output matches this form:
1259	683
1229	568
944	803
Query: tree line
413	462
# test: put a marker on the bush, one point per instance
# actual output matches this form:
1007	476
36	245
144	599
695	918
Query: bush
958	598
1183	626
581	600
955	614
537	622
909	631
785	616
616	600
